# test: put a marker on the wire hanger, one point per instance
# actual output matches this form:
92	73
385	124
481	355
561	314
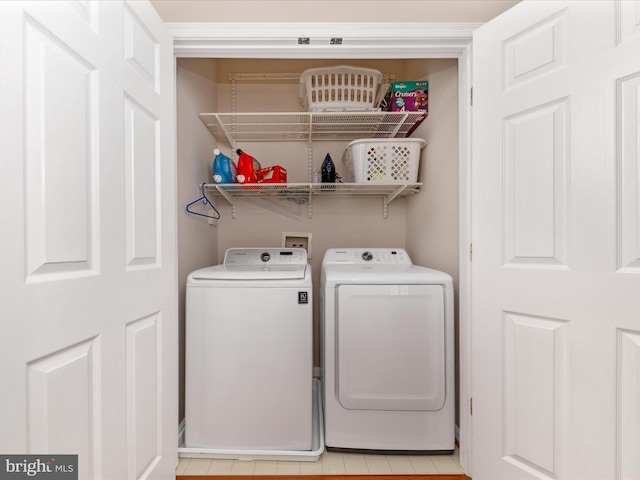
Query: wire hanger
205	202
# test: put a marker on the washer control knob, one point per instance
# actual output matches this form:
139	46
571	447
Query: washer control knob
265	257
367	256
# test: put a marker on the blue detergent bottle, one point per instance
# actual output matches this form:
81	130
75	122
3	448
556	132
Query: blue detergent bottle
224	169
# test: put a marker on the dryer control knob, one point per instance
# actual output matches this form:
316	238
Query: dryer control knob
265	257
367	256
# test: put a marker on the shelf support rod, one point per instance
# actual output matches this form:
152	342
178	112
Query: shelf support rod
224	193
226	132
233	110
264	76
390	198
310	163
400	124
233	95
272	206
228	198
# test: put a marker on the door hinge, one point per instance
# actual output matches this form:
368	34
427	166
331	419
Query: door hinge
471	252
471	96
471	406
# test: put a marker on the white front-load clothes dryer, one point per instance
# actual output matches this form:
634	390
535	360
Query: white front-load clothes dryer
249	352
387	353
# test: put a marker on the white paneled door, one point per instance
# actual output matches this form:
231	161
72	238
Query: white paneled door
88	311
556	242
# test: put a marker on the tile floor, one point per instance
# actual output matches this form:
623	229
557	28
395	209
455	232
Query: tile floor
331	463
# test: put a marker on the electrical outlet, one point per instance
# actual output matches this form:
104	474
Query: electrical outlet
297	240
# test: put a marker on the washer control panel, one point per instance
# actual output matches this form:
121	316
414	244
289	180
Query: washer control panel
265	256
380	256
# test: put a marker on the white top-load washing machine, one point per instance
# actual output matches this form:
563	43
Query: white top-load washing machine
249	352
387	353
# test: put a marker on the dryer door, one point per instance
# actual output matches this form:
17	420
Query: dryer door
391	347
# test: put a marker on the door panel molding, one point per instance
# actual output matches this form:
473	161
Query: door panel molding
628	125
64	404
534	385
535	192
61	222
628	404
141	49
144	394
628	19
142	186
535	51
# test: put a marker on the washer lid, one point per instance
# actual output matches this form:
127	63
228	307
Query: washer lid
251	272
258	264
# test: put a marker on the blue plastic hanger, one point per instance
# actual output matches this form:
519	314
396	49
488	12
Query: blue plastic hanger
205	201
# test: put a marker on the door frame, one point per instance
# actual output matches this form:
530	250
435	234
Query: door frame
368	41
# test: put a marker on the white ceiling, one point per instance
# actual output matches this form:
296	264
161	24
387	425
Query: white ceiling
305	11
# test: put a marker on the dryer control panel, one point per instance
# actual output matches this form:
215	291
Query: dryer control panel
357	256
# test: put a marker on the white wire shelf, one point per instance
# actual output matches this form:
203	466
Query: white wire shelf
304	192
310	126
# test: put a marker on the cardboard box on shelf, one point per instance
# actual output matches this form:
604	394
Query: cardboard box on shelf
407	96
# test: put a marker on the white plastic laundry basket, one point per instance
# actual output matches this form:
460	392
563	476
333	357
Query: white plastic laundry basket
340	88
383	160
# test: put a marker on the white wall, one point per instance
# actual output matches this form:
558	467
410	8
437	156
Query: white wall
197	240
432	216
